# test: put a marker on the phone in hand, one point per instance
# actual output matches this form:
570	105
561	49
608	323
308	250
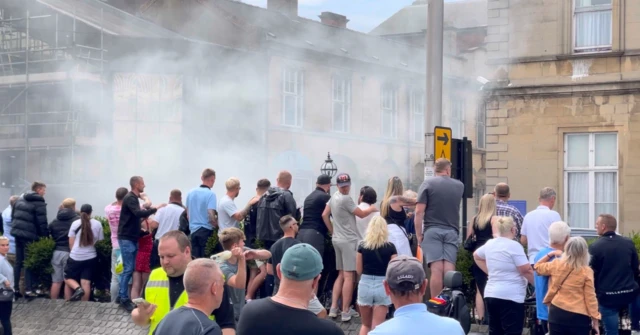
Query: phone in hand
140	301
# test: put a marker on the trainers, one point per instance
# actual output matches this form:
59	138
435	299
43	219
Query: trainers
333	313
30	295
346	317
353	313
128	305
77	294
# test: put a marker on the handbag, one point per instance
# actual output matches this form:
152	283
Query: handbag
550	295
413	242
470	243
6	294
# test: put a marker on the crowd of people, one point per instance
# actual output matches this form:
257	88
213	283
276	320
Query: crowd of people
266	268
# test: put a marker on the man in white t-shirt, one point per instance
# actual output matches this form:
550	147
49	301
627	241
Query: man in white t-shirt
228	214
535	227
368	197
168	218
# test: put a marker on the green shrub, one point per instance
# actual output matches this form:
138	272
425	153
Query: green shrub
463	265
212	243
38	260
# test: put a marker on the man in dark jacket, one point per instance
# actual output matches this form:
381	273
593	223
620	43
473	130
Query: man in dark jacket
614	260
29	220
59	229
276	203
129	231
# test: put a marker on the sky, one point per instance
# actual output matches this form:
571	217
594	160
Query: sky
363	15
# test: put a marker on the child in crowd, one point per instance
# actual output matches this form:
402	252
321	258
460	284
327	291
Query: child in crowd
235	268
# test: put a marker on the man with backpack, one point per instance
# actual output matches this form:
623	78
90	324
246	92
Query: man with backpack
276	203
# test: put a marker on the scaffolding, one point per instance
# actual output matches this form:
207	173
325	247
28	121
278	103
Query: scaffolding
46	63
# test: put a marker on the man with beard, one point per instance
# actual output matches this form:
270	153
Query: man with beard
165	289
129	232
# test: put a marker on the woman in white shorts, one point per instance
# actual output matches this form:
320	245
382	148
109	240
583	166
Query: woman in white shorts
374	254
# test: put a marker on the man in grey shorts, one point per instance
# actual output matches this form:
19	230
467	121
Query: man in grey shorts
438	209
345	242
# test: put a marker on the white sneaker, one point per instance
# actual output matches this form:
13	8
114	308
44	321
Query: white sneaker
333	313
635	332
353	313
346	317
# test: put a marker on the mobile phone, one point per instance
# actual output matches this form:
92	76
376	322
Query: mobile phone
139	301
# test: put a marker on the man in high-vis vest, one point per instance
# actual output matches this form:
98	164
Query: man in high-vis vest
165	288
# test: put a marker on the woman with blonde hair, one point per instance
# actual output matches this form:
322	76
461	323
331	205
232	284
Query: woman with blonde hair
573	307
480	229
504	260
372	259
391	209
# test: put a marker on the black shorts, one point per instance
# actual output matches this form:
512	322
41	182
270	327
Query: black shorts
79	270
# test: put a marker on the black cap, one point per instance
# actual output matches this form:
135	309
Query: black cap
86	208
343	180
323	179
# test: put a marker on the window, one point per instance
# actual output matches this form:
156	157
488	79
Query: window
590	177
457	117
341	104
417	105
481	127
292	97
592	25
389	111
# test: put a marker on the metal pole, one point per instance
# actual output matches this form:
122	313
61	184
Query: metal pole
463	160
434	47
26	102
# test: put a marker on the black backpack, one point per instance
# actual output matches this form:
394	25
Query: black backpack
456	306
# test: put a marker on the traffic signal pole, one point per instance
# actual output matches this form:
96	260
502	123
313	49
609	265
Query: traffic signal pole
434	48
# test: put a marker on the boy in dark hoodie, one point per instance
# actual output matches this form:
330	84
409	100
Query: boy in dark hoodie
59	229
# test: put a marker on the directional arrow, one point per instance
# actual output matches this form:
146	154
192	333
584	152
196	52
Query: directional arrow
444	139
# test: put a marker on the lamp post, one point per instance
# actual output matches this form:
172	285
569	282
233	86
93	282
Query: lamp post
329	168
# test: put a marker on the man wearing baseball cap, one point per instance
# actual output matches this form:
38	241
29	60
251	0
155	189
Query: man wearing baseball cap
406	284
345	239
314	230
286	313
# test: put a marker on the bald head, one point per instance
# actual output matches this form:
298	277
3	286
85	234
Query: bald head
502	191
284	179
200	276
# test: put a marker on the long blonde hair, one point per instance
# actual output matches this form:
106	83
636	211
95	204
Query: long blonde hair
377	233
576	253
394	187
486	209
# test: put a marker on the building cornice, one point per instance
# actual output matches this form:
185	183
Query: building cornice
553	58
611	88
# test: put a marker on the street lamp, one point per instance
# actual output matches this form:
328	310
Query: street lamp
329	168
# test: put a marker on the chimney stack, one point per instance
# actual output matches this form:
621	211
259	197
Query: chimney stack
334	20
286	7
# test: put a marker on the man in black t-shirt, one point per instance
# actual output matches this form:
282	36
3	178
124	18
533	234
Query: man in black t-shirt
313	229
287	312
204	285
175	255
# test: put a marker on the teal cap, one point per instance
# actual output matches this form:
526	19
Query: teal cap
301	262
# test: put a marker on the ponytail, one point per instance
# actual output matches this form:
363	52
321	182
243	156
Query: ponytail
86	237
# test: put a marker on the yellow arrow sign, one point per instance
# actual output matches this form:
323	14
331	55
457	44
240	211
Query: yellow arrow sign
442	143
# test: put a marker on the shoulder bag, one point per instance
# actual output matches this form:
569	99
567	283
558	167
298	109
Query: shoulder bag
470	243
6	294
550	295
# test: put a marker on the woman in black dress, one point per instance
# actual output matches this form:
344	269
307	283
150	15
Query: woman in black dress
482	227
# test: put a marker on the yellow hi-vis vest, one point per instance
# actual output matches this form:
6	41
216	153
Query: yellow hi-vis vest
157	292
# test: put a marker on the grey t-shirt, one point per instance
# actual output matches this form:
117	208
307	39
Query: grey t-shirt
236	295
187	321
344	221
226	208
443	196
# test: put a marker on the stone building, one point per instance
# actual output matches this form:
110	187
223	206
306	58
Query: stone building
562	105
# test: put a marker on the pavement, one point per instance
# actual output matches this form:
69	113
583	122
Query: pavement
49	317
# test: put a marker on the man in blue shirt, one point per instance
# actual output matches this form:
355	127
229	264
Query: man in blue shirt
201	211
559	233
406	284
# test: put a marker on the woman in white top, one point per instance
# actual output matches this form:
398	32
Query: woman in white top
368	197
6	282
504	260
392	210
83	235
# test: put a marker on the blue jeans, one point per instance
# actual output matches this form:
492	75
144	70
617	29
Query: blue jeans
634	313
128	250
610	319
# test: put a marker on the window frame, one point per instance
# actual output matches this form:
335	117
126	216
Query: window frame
590	49
393	111
481	123
591	169
417	118
298	95
345	103
457	101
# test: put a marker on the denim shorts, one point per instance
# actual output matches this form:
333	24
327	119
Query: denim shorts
371	291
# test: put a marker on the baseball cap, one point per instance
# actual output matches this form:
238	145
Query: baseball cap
301	262
405	273
343	180
323	179
86	208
